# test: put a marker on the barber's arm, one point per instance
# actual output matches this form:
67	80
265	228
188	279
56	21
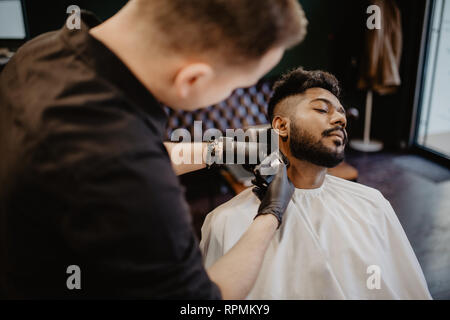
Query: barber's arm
235	273
192	151
187	157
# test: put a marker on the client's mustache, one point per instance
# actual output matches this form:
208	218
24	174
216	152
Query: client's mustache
328	132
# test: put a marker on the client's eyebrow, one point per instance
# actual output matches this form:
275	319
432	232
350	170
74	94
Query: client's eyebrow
340	108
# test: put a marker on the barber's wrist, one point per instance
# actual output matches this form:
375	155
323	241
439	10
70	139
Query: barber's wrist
271	210
270	220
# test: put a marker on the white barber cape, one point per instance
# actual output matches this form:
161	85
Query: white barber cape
340	241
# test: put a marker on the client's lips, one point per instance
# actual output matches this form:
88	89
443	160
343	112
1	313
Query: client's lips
338	134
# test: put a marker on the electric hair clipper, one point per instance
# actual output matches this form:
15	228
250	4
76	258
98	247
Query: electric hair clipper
266	170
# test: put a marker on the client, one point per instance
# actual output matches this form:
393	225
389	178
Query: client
339	239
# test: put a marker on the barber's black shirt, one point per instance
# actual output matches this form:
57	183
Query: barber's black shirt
85	179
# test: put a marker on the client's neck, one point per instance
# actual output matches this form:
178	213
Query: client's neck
304	174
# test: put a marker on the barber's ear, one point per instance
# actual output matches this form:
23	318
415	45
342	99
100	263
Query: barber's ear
281	126
191	77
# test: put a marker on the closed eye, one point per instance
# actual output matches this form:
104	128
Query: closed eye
321	110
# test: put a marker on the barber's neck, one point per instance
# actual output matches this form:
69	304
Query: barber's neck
123	34
304	174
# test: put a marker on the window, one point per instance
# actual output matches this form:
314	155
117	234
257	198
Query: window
12	24
433	129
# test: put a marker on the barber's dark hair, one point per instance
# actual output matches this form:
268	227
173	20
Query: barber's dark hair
298	81
240	30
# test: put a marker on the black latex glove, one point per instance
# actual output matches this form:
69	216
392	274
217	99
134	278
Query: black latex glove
262	182
276	196
260	187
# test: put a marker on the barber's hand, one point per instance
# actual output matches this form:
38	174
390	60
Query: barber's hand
276	196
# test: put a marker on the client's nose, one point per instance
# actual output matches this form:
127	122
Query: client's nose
339	119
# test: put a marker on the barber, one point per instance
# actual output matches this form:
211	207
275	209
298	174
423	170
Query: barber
85	178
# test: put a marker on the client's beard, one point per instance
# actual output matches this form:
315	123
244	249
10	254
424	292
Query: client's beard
304	147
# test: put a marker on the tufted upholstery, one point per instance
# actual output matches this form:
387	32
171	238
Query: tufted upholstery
244	108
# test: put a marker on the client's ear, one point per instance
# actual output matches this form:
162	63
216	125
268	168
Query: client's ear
190	79
281	126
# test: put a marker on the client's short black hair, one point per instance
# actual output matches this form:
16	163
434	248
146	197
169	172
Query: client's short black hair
298	81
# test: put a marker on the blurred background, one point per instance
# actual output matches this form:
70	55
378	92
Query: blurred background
407	127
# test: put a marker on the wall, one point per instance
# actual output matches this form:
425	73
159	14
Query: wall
333	43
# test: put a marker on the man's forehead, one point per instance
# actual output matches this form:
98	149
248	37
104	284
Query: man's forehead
317	94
